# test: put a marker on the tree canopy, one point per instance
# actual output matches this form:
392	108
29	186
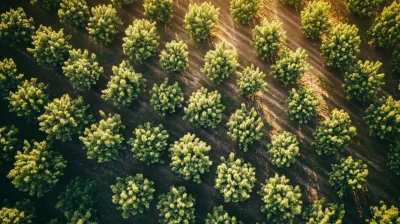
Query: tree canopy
176	206
201	20
315	19
243	11
15	27
322	211
283	149
74	12
268	39
251	80
158	10
166	98
9	142
23	212
9	77
302	104
363	8
174	58
220	216
384	214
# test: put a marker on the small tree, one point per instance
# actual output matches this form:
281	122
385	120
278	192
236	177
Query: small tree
121	3
315	19
393	157
22	212
64	117
166	98
302	104
15	27
103	24
220	63
141	40
396	60
219	215
36	169
268	39
149	143
174	58
133	195
292	2
283	149
9	78
323	212
74	12
103	141
125	85
251	80
201	20
342	46
235	179
281	201
204	108
384	214
50	47
243	11
45	4
176	206
158	10
9	143
363	8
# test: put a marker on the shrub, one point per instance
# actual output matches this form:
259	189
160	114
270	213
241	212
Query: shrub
283	149
219	215
133	195
36	169
9	143
292	2
384	214
334	134
268	38
15	27
176	206
149	143
251	81
204	108
125	86
50	47
174	58
74	12
363	8
9	78
122	3
166	98
45	4
158	10
64	117
393	157
235	179
323	212
103	24
342	46
201	20
103	140
141	40
315	19
243	11
281	201
302	104
220	63
396	60
22	212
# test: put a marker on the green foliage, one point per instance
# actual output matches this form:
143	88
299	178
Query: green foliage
141	40
133	195
103	24
245	127
166	98
220	63
204	109
201	20
78	201
283	149
189	157
125	85
45	4
149	143
176	206
9	143
220	216
290	67
384	214
174	58
315	19
251	80
383	117
64	117
302	104
235	179
348	175
158	10
36	169
83	71
393	157
341	46
103	140
396	60
292	2
322	212
121	3
21	213
363	8
9	78
281	201
74	12
15	27
243	11
334	134
50	47
268	38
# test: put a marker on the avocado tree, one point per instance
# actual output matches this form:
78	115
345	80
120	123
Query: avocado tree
174	58
15	27
23	212
323	212
121	3
9	143
243	11
302	104
159	11
283	149
74	12
363	8
219	215
45	4
9	78
201	20
268	39
384	214
166	98
315	19
176	206
251	80
393	157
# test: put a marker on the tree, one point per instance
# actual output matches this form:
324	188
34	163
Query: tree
74	12
243	11
396	60
122	3
201	20
363	8
315	19
220	63
342	46
29	99
383	117
176	206
15	27
45	4
174	58
323	212
9	78
166	98
393	157
290	67
149	143
133	195
235	178
125	85
302	104
292	2
103	24
220	216
189	157
83	71
384	214
64	117
78	201
334	134
50	47
268	38
283	149
141	40
21	213
204	109
281	201
348	175
386	29
251	81
158	10
103	141
9	143
36	169
245	127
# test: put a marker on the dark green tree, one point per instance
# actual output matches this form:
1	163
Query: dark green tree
23	212
363	8
268	39
201	20
384	214
283	149
121	3
159	11
9	143
243	11
9	78
74	12
45	4
176	206
321	212
393	157
302	104
15	27
315	19
292	2
251	80
174	58
166	98
396	60
220	216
